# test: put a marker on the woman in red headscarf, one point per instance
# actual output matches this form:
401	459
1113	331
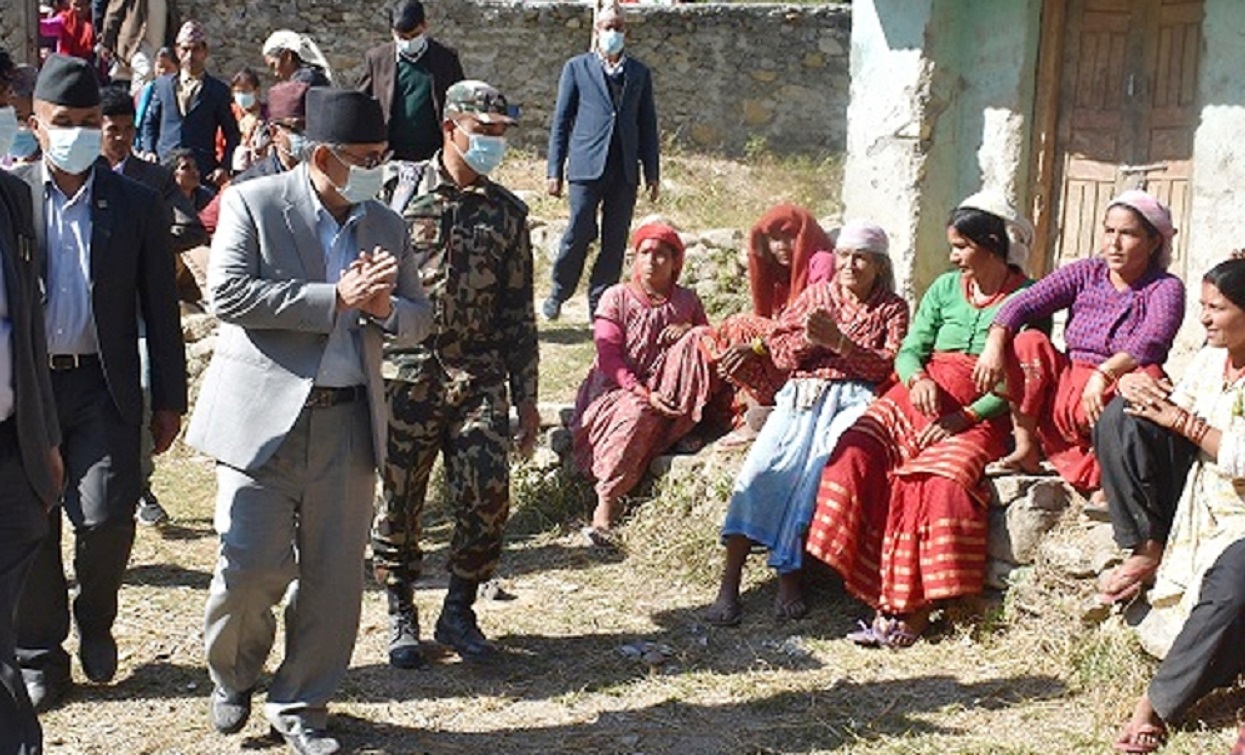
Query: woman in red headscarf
650	382
784	244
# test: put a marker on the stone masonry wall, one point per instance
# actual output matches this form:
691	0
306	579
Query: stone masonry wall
725	75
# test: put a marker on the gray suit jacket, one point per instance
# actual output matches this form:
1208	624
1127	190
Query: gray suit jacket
266	278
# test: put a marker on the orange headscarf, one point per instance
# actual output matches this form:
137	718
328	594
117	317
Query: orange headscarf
774	286
664	234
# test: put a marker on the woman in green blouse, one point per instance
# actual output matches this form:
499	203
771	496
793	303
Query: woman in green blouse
901	513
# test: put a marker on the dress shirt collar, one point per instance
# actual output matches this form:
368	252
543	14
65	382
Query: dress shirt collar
83	194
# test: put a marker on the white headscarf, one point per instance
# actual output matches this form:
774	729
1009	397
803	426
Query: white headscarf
299	44
1019	229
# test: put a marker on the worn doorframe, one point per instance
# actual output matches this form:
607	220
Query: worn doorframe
1053	25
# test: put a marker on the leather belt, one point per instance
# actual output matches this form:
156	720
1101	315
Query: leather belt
58	362
322	398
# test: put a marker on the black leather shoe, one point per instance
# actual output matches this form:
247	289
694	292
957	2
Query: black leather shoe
46	692
99	658
230	710
309	741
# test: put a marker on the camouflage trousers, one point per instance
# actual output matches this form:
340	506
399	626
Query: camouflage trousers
472	433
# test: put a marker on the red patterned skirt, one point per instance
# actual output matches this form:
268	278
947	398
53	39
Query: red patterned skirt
617	434
759	379
1053	385
907	526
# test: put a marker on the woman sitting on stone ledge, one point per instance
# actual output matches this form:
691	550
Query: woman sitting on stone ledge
1123	313
787	251
901	511
651	379
1200	588
838	339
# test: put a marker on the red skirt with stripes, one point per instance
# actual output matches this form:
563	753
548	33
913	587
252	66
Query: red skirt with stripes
907	526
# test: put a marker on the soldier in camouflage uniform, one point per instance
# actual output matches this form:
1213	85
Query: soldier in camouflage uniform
449	393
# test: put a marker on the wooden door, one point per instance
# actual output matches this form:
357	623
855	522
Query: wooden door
1127	109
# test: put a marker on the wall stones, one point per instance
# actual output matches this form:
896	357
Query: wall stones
724	74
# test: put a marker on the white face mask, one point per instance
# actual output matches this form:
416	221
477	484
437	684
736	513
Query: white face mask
413	47
8	128
362	184
73	149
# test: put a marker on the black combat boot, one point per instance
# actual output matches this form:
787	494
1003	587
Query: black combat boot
457	625
403	628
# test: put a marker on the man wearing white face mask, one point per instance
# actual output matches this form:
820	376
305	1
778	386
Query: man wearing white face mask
604	131
308	274
451	394
25	147
105	242
409	76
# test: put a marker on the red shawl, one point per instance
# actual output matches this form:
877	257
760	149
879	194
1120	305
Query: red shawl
774	286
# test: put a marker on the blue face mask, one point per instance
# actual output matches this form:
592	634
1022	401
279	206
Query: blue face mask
484	153
611	41
73	149
24	144
298	144
8	128
245	100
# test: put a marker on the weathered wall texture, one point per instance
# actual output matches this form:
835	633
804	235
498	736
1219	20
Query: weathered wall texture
1216	224
942	95
725	76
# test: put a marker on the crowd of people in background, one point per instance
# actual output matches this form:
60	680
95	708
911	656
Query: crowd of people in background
375	294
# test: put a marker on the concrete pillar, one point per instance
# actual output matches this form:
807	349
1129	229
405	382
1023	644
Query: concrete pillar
1216	223
942	96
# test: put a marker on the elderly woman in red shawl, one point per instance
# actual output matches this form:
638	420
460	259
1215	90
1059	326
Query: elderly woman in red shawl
787	250
650	382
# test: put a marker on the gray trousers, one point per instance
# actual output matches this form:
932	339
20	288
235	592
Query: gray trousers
1207	652
302	517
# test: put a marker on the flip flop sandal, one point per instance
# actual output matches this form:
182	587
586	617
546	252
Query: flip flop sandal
1133	742
599	539
897	636
1003	469
729	616
865	636
792	610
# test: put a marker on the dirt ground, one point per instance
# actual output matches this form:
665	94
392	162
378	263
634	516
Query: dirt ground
608	654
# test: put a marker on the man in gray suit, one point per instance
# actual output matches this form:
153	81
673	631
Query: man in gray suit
308	274
30	465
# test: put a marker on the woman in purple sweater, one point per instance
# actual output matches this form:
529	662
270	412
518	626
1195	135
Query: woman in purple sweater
1124	309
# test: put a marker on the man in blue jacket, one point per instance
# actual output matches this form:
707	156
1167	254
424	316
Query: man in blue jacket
189	107
604	129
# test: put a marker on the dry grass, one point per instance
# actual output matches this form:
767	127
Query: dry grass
1014	676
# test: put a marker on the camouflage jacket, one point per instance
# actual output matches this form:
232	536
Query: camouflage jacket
475	259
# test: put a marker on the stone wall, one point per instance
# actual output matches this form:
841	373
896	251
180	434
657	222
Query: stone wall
725	76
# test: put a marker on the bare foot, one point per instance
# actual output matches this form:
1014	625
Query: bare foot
726	611
1017	462
1125	581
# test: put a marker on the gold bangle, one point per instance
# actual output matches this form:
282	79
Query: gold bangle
758	346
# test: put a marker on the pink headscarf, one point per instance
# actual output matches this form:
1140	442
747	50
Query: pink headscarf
1156	214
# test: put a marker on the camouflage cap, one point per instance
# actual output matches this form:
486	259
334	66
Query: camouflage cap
480	100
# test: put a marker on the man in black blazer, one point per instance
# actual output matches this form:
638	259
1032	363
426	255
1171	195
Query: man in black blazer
604	129
188	107
30	466
106	262
409	76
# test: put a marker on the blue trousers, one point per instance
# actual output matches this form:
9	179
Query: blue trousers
615	197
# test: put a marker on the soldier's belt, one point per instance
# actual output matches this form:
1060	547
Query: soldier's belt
322	398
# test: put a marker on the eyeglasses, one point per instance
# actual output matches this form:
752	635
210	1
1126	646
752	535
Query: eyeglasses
371	160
